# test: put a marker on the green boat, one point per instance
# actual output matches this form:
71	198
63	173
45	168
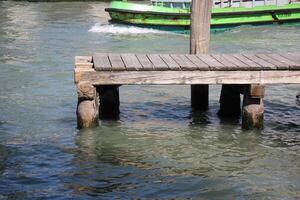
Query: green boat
225	13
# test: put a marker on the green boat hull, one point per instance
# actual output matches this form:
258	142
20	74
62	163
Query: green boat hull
158	16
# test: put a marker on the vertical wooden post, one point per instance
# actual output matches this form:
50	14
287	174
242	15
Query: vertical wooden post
199	44
253	108
87	107
230	103
109	101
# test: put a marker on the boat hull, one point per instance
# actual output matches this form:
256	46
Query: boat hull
137	14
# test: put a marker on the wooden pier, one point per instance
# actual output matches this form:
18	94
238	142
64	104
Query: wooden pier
98	77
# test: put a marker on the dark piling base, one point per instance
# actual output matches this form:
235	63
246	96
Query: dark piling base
109	102
253	108
199	97
230	101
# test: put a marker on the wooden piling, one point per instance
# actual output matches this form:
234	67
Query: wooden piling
230	102
253	108
109	101
199	44
87	107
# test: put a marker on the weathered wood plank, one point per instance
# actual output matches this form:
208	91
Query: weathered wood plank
145	62
210	61
235	61
279	65
158	63
83	59
189	77
252	65
264	64
199	63
173	77
116	61
83	62
184	62
79	71
284	60
280	77
294	57
131	62
101	62
170	62
225	62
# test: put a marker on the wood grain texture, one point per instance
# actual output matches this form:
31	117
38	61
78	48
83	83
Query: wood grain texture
235	61
131	62
184	62
294	57
157	62
172	64
190	77
225	62
288	63
101	62
177	62
202	66
210	61
200	26
251	64
279	65
145	62
263	64
116	61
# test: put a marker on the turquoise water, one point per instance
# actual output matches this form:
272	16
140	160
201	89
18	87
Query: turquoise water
159	148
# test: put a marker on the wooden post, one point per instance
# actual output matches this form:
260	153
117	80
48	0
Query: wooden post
253	108
199	44
87	107
230	103
109	101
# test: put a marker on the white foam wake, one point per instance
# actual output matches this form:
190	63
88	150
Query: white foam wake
122	29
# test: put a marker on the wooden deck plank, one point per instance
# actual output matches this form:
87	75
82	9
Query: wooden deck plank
251	64
202	66
184	62
101	62
227	64
202	62
157	62
294	57
210	61
279	65
170	62
131	62
145	62
289	63
116	62
234	60
264	64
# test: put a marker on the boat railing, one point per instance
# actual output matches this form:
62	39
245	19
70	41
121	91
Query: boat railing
249	3
185	4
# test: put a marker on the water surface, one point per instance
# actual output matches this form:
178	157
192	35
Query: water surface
159	148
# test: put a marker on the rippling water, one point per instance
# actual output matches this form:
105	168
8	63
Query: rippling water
159	148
